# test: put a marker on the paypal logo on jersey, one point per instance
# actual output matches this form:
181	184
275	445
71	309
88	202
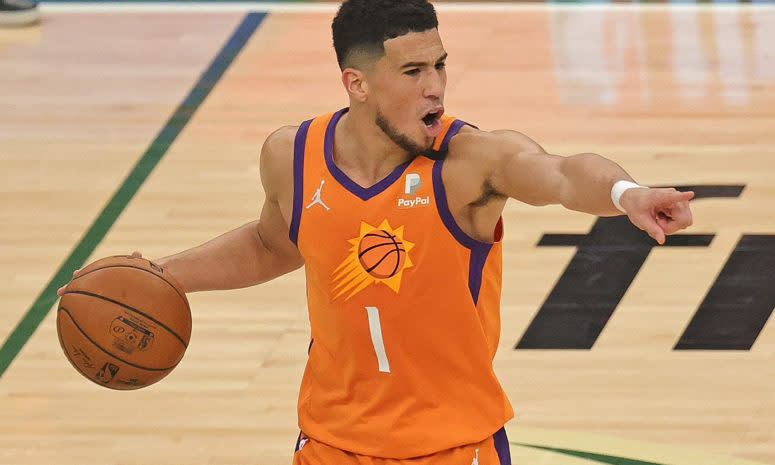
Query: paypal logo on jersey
408	203
412	182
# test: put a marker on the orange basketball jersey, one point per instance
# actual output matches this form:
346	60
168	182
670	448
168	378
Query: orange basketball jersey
403	306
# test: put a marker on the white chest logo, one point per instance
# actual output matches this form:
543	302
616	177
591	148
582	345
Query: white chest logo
410	199
317	197
411	183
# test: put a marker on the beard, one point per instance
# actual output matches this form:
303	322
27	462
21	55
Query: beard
399	139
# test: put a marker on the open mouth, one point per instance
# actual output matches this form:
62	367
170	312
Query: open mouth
432	117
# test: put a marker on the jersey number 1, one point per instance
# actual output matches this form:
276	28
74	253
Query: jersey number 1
375	328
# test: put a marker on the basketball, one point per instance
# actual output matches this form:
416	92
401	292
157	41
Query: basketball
123	322
381	254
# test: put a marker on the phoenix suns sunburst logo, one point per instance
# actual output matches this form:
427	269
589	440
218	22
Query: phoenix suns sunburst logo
379	254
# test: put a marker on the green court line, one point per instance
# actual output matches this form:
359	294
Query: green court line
600	458
115	206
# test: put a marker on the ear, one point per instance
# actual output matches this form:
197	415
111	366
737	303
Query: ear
355	84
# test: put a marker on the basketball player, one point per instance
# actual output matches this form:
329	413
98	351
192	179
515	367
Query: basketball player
394	209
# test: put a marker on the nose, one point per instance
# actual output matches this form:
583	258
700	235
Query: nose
434	84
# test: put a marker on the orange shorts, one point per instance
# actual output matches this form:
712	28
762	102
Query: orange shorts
492	451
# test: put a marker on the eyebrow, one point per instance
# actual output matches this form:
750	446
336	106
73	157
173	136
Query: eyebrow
418	64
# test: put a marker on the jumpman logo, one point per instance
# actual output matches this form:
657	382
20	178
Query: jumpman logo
476	459
316	198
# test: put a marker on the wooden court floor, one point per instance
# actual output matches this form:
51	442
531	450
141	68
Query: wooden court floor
678	96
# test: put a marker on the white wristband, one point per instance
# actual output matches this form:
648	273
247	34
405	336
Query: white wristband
618	189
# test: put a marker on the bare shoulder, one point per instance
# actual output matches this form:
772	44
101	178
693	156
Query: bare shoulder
471	171
482	146
278	146
277	158
481	164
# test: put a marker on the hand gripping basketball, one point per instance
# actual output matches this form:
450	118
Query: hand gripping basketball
123	322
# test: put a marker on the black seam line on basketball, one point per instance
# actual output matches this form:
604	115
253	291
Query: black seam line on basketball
368	270
387	236
64	348
70	315
137	268
398	262
129	307
384	244
104	221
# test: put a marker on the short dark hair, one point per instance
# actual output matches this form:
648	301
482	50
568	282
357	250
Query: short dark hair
364	25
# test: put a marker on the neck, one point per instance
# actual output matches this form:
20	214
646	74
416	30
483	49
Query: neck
362	150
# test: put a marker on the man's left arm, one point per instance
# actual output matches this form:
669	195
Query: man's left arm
523	170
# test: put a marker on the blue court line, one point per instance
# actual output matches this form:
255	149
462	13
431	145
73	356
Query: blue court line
115	206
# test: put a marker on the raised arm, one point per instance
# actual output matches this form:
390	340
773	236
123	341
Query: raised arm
255	252
515	166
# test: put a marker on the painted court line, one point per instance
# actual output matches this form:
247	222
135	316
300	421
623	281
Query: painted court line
590	456
115	206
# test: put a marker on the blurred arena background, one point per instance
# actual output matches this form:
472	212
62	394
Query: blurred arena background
136	126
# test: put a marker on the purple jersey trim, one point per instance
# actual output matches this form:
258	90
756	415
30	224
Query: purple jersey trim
479	250
298	180
364	193
475	268
453	129
298	441
502	446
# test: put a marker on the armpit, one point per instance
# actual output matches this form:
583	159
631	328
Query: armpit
488	195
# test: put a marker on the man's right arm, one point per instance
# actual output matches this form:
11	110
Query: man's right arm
255	252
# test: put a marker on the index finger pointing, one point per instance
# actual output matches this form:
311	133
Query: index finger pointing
673	196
